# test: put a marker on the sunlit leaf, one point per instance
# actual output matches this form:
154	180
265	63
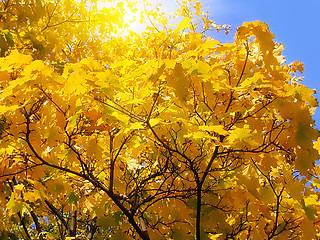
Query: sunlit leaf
110	132
215	128
185	23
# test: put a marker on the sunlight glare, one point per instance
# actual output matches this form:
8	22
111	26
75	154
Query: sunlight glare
131	17
135	13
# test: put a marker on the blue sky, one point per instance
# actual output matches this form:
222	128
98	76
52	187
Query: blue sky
294	23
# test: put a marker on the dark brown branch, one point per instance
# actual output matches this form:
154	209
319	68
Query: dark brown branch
114	158
112	162
275	227
166	146
153	105
37	224
206	172
51	100
73	224
199	192
244	65
56	212
122	208
122	110
20	171
23	224
278	201
238	82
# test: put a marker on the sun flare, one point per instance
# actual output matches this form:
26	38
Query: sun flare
131	11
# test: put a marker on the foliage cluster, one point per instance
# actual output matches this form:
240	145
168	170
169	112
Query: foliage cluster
166	134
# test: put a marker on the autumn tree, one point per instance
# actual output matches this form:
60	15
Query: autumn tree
163	134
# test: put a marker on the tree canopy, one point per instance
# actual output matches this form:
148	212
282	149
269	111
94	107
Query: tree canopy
163	134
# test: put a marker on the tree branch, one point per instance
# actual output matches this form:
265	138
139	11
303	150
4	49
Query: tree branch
73	224
37	224
93	228
56	212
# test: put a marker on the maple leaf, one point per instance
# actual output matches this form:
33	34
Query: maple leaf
185	23
316	145
198	8
242	135
15	206
166	133
215	128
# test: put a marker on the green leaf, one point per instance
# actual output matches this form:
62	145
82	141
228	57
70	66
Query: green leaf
9	38
73	198
307	205
178	234
8	236
15	206
316	182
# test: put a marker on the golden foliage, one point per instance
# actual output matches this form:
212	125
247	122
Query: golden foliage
165	134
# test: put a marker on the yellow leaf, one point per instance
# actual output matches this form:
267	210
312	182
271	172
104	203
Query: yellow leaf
242	135
137	126
16	58
296	66
239	134
295	187
5	109
304	133
215	236
305	94
76	84
305	160
209	45
120	116
309	205
198	9
31	196
91	64
308	229
185	23
124	63
198	134
154	122
170	63
179	82
94	148
206	23
312	200
15	206
316	182
37	66
19	187
215	128
257	79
